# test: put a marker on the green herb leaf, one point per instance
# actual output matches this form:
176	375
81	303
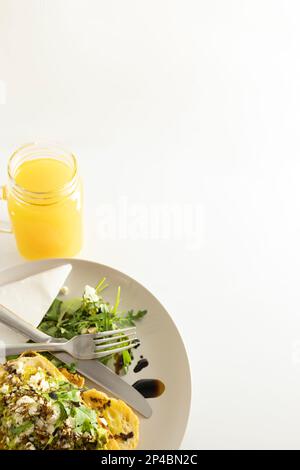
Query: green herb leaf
85	419
126	359
22	428
71	395
71	367
54	310
129	318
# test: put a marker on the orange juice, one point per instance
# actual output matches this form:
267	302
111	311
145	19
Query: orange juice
43	175
45	207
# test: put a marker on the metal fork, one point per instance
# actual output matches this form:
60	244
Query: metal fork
87	346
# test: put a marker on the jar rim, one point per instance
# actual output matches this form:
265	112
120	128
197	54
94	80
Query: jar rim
36	148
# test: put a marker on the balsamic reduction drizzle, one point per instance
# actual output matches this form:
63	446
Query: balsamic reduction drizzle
142	363
150	388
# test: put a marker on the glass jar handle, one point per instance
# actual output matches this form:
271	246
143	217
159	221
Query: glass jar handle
6	228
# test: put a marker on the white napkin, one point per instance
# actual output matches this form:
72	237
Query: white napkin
31	297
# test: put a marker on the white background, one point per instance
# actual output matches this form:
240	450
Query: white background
183	102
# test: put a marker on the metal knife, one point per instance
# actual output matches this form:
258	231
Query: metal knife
91	369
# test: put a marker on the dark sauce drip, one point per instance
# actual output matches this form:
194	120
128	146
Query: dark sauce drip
142	363
149	388
125	437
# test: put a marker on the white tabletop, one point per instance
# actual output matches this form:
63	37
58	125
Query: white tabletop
185	119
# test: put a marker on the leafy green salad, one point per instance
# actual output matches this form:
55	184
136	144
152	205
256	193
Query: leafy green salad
91	314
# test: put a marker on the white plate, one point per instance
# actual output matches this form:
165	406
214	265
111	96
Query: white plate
161	345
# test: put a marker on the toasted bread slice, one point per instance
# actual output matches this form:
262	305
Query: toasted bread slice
122	422
119	420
